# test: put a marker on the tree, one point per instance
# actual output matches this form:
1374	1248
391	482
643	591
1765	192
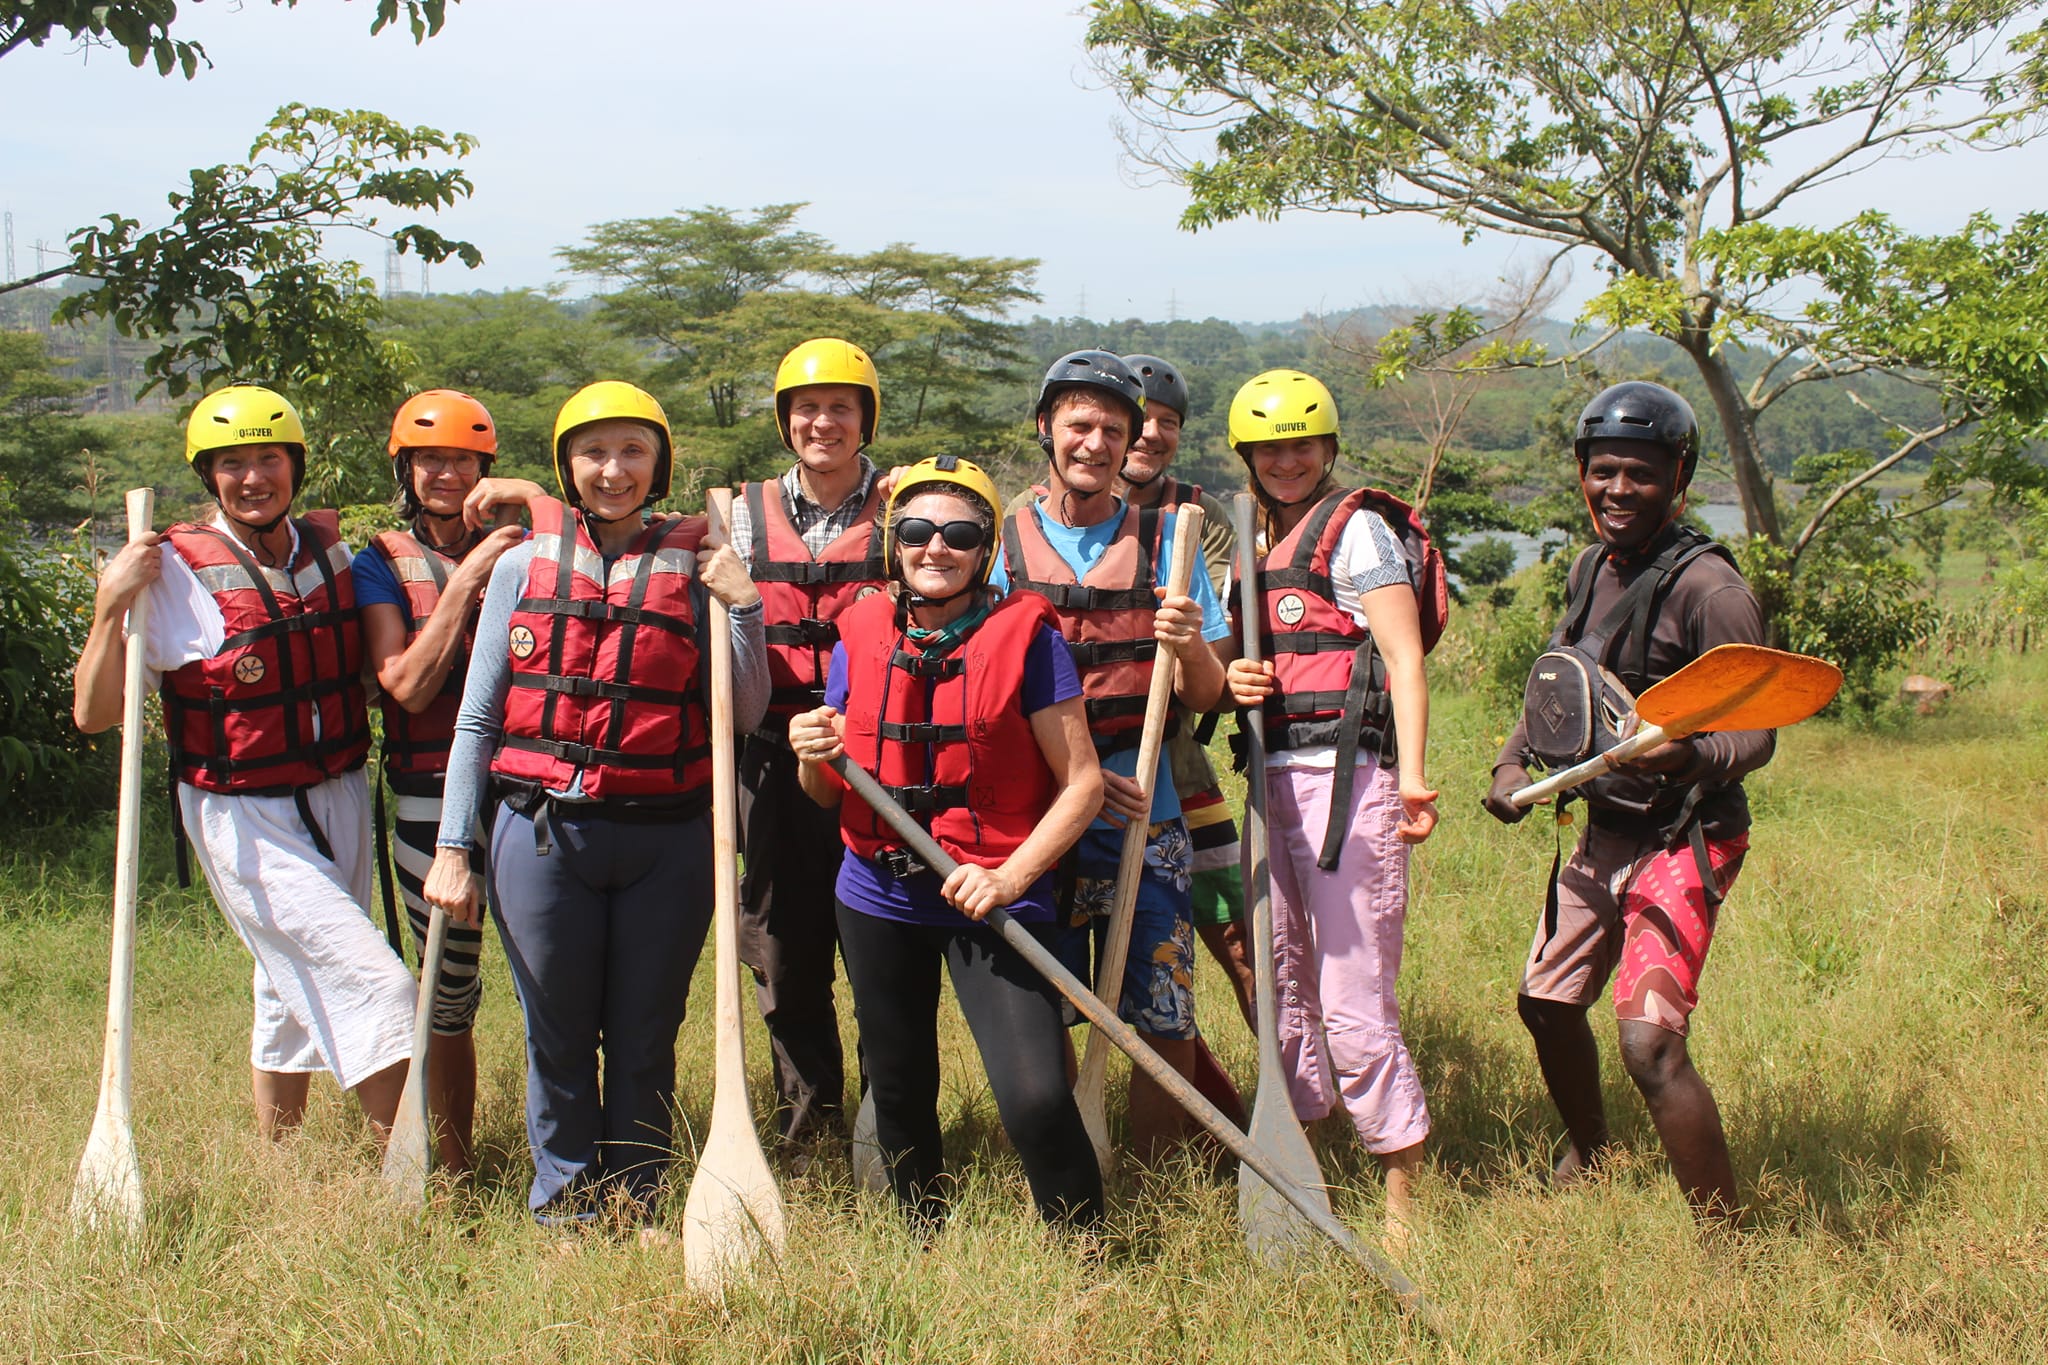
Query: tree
142	28
520	353
682	281
950	333
1672	141
40	434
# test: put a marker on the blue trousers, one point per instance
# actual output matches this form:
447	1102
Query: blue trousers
602	934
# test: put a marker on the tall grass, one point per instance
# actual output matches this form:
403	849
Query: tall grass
1874	1027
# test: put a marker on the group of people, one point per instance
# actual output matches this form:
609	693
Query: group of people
547	741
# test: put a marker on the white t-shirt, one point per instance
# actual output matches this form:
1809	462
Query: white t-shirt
1367	556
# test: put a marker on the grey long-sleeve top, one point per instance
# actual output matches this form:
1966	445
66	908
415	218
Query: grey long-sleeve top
481	722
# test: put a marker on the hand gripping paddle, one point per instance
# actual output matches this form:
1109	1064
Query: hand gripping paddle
1730	687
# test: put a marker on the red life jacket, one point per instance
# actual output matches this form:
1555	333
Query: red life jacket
289	667
946	736
1323	659
1333	683
604	666
416	744
1106	617
801	595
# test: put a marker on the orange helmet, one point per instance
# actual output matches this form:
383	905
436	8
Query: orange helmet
443	417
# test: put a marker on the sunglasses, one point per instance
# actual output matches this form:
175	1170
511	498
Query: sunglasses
961	535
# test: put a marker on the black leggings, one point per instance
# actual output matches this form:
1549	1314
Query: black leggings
1014	1015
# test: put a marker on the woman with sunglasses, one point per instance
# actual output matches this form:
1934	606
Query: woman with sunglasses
966	707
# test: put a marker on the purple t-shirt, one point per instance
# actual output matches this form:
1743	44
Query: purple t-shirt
870	888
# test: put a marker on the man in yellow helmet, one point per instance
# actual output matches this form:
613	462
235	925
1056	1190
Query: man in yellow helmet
253	633
812	542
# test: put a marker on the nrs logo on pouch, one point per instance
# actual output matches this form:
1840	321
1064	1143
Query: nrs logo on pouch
1290	609
522	642
249	670
246	432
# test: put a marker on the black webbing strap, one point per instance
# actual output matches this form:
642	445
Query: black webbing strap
927	666
1091	653
805	630
1343	779
928	800
922	732
1073	596
320	844
391	934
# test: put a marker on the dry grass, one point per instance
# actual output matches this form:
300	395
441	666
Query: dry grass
1874	1027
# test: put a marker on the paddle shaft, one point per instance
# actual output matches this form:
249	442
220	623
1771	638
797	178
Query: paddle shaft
1641	742
116	1072
730	1075
920	842
1109	977
1258	890
109	1174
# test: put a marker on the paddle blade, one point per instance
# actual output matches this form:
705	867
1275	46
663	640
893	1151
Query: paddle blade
870	1172
1273	1228
1740	687
108	1191
734	1210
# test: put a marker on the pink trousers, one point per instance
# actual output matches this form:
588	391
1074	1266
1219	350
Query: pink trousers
1337	948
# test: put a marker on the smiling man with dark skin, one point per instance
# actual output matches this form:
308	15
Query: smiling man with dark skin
1665	834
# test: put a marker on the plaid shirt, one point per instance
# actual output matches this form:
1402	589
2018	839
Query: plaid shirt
817	526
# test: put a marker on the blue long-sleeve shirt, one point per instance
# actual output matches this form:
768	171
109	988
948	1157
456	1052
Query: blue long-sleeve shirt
481	722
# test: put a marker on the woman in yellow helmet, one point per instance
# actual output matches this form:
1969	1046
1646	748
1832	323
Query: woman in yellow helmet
967	707
1341	680
585	706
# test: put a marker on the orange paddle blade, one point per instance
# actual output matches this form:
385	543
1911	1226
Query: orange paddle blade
1740	687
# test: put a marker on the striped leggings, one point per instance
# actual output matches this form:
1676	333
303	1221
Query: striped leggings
460	987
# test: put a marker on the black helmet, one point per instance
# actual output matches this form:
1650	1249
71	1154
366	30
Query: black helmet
1162	382
1638	410
1095	370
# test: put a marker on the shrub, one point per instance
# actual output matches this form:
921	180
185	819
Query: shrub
48	770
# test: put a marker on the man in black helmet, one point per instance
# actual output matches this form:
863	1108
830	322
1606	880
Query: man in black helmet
1147	481
1665	834
1103	565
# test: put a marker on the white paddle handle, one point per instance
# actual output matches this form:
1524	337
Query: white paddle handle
128	826
1642	741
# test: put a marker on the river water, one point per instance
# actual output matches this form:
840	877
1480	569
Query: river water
1724	519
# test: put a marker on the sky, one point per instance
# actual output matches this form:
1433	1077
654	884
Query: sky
968	126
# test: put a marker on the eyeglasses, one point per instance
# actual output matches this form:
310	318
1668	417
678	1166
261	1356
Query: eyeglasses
961	535
441	464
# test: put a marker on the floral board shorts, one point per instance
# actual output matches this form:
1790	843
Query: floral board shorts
1159	972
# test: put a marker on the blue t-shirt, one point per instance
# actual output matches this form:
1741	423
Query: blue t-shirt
868	887
1081	547
376	582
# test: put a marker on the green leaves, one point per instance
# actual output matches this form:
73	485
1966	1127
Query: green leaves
142	28
237	282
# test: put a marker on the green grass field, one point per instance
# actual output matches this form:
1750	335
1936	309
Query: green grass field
1875	1025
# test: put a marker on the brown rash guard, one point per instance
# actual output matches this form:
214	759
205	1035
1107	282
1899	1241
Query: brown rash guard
1710	604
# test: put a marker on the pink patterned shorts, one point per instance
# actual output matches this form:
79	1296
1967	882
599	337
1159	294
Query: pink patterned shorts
1630	909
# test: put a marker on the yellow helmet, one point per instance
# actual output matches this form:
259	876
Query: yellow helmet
241	415
955	475
610	400
1280	405
827	360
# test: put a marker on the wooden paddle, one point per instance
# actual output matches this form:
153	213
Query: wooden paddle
1109	974
734	1207
1730	687
1318	1215
109	1183
1272	1227
408	1155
